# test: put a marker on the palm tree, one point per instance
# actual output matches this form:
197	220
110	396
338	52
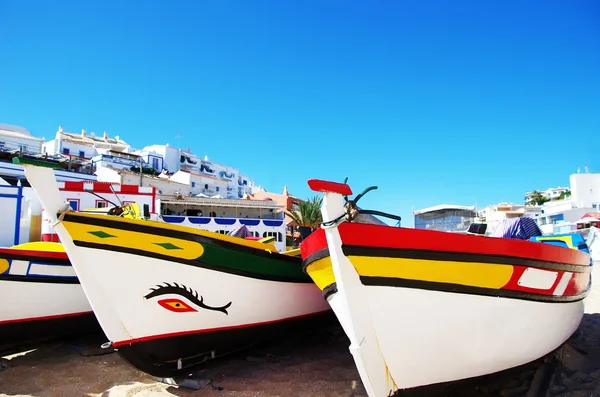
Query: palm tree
537	198
308	216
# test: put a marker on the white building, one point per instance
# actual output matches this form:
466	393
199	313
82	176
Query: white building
204	176
205	185
83	145
117	160
585	189
17	138
445	217
163	185
170	157
560	216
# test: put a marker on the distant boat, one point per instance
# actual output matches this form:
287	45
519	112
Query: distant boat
423	307
42	298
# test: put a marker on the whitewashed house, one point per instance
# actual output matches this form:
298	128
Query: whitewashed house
83	145
17	138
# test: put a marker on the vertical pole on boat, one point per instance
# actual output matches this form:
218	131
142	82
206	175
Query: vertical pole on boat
356	319
141	174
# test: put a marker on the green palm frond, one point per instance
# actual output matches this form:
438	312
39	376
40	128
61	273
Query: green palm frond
308	213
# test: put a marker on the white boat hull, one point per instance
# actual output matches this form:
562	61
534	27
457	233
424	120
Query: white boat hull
430	332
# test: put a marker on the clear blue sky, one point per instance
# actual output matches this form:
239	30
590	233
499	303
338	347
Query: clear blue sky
435	102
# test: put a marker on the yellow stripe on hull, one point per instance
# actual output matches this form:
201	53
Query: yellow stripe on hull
474	274
182	229
321	272
174	247
40	246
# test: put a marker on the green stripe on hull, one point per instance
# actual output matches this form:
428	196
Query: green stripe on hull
263	265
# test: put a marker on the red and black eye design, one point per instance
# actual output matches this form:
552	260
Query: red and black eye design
177	305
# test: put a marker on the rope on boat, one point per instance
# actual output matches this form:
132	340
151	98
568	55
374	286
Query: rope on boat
335	222
62	215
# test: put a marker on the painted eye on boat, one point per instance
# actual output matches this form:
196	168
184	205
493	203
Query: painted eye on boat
176	305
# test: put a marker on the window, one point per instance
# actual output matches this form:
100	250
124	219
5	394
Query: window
217	188
206	186
81	153
596	205
277	235
193	184
23	147
66	150
74	203
1	144
101	204
155	163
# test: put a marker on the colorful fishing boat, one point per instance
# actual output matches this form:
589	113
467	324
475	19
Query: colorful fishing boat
423	307
42	298
169	297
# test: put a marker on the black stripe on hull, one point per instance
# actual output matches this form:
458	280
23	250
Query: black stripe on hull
159	357
461	257
140	227
39	279
19	335
315	256
35	259
330	290
463	289
445	287
195	263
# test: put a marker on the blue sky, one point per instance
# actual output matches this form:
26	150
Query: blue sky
435	102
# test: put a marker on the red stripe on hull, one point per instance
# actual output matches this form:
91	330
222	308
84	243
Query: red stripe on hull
35	254
175	334
376	236
42	318
577	285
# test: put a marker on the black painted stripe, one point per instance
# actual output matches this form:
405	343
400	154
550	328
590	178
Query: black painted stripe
35	259
329	290
39	279
147	228
463	289
195	263
315	256
461	257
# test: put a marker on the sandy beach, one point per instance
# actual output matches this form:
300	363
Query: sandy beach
319	364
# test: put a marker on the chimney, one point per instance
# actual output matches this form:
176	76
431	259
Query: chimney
82	133
61	129
105	136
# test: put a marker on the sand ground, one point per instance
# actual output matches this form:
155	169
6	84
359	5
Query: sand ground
317	365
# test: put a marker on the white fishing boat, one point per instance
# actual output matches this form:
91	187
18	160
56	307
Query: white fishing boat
423	307
169	297
36	277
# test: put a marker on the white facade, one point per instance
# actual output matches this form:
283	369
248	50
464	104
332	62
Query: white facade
203	184
13	137
83	145
118	160
164	186
170	156
585	190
